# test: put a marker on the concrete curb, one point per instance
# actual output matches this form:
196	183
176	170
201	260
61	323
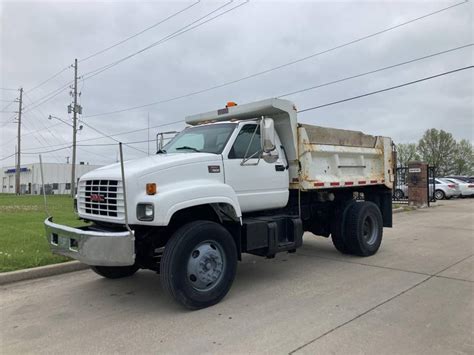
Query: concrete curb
39	272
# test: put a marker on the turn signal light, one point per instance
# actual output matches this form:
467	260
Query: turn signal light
230	104
151	188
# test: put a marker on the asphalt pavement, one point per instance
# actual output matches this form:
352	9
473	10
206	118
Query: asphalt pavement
415	296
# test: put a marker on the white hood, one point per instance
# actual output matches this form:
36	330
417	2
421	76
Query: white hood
147	165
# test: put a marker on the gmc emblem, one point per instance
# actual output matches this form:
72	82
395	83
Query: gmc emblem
97	198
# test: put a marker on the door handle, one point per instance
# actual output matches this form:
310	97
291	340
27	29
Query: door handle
279	167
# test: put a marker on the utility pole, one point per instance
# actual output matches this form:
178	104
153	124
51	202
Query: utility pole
74	123
18	162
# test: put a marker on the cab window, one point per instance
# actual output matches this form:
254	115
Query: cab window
243	140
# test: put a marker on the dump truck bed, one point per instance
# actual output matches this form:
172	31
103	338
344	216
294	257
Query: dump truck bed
337	158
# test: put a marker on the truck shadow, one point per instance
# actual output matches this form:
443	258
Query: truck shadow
143	291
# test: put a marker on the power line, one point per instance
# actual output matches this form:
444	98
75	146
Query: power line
38	120
11	155
30	132
48	151
110	137
300	111
10	120
43	139
305	89
140	32
49	96
109	144
121	133
376	70
50	78
110	47
8	89
177	33
387	89
279	66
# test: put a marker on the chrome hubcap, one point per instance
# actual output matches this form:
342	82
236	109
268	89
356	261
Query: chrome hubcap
206	266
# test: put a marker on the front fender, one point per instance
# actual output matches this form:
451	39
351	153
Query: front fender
192	194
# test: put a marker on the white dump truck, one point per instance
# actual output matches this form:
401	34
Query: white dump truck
241	179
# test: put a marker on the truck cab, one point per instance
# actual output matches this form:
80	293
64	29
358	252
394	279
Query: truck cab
241	179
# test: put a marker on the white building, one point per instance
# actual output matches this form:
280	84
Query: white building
57	178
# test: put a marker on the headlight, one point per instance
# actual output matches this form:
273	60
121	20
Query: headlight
145	212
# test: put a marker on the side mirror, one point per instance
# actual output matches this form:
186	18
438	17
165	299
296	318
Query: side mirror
267	131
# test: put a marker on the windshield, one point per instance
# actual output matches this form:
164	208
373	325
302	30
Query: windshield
206	139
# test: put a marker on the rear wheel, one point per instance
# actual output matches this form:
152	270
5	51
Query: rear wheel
115	272
440	195
199	264
364	228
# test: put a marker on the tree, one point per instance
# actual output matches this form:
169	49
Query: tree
438	149
463	163
405	153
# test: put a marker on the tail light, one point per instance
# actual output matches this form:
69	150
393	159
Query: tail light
451	186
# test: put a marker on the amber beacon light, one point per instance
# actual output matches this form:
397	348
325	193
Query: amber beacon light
230	104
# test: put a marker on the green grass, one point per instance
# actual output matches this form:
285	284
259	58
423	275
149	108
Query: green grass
22	236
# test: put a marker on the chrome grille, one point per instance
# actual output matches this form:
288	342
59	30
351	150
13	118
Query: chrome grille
101	198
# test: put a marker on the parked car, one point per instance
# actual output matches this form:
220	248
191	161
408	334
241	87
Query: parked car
462	178
401	191
445	189
467	189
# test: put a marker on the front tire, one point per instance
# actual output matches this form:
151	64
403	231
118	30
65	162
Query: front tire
199	264
115	272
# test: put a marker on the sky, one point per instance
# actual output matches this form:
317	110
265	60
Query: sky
39	39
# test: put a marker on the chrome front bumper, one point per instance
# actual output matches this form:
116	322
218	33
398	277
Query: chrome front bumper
90	246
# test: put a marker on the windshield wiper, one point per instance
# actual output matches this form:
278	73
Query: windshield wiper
188	147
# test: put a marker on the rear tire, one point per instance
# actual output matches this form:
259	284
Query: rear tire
115	272
337	236
199	264
364	228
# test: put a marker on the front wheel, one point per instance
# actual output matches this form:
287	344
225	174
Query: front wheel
115	272
199	264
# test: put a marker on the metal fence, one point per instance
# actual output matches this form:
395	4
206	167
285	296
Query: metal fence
400	186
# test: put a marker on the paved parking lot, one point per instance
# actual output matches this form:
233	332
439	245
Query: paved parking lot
414	296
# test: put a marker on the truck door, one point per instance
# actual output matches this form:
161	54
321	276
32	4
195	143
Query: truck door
259	185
